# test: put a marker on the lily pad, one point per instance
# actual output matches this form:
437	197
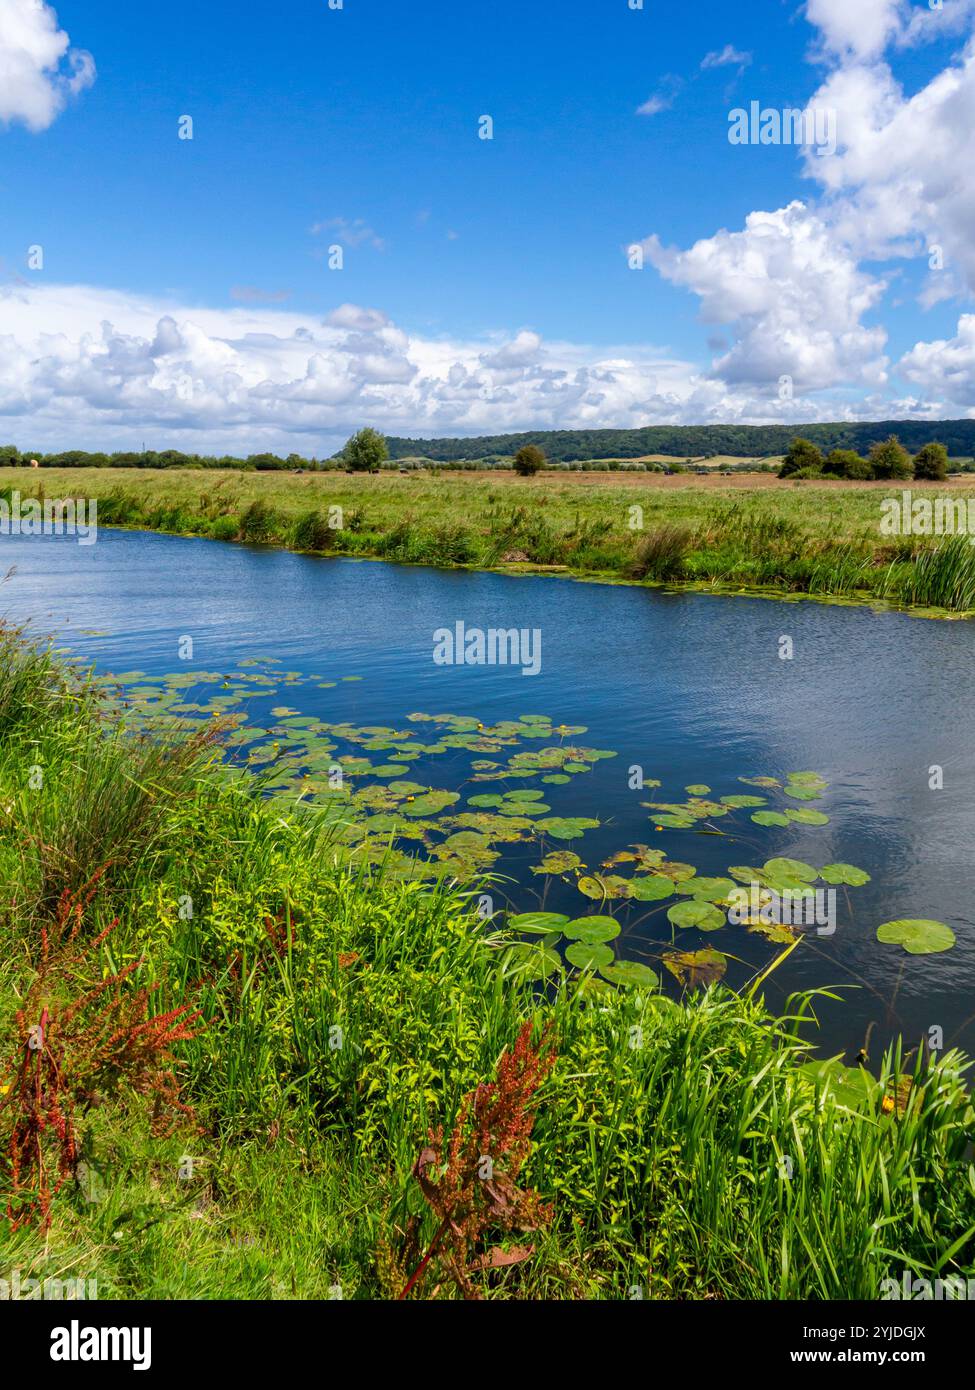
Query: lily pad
651	889
538	923
917	935
672	868
696	913
844	873
604	886
770	818
710	889
566	827
852	1086
592	929
696	969
746	873
773	931
587	955
631	973
801	815
559	861
791	868
531	961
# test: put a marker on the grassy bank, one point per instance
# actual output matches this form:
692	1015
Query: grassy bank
759	533
245	1040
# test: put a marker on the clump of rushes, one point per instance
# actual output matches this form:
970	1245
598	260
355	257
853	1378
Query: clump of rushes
477	1187
80	1038
661	554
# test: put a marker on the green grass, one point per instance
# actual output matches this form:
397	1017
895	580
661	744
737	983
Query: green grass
804	538
686	1147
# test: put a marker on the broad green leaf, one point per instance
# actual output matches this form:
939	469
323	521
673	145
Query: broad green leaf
917	935
696	913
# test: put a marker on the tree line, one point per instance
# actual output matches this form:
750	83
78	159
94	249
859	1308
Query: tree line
829	450
887	459
692	441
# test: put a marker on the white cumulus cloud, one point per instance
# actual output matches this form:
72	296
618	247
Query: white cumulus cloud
39	70
945	369
792	297
85	367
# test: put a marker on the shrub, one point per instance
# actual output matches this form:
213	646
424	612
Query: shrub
528	461
802	454
847	463
890	460
931	461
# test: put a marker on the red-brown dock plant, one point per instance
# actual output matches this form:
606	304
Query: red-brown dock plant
80	1036
471	1183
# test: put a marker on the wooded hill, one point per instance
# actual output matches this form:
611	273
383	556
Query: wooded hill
692	441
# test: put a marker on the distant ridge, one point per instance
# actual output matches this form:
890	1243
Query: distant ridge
692	441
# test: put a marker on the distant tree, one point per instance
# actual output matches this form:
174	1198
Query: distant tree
366	451
931	461
802	453
890	460
529	460
9	456
847	463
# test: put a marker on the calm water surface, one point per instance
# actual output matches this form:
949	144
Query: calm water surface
688	686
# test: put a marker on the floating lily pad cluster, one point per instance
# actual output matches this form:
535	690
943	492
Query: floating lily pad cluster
700	806
702	904
586	943
360	774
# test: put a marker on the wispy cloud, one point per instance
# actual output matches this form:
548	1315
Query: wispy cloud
726	57
663	98
654	105
251	294
356	232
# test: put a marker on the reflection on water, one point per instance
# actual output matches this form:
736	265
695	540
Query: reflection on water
688	687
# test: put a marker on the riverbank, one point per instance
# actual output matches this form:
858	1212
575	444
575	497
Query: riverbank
747	533
171	941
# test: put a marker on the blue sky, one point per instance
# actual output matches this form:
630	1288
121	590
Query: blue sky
358	127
